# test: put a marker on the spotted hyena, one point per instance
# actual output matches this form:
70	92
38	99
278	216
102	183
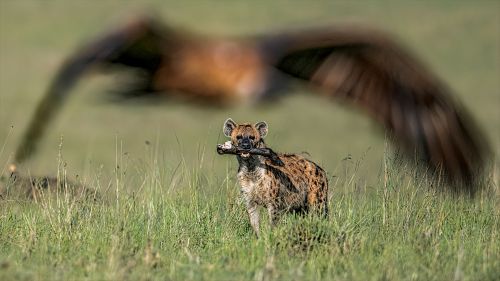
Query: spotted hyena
294	184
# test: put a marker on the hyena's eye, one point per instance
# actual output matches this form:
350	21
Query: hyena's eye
239	137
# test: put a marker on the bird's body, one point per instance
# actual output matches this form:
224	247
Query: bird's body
219	71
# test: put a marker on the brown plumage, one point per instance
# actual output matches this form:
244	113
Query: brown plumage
359	66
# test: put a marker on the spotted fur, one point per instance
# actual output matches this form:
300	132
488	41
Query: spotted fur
298	185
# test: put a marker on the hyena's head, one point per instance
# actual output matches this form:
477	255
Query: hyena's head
245	135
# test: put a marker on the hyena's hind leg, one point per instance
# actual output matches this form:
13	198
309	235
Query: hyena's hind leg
317	198
274	215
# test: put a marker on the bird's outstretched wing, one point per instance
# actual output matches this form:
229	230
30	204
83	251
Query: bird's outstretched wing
371	71
138	44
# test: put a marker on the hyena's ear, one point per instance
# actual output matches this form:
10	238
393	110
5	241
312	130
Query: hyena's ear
262	128
228	127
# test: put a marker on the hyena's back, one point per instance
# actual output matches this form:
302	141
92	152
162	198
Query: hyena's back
303	185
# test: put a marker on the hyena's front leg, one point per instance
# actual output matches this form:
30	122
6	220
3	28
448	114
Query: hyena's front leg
253	214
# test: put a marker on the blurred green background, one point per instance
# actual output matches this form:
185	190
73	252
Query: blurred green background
459	40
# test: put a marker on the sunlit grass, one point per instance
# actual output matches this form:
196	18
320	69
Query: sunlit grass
162	221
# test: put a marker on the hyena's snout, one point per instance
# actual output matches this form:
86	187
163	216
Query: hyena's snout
245	143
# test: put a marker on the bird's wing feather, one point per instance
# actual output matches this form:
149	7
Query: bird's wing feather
370	70
138	44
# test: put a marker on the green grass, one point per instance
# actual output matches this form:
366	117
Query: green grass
171	222
171	211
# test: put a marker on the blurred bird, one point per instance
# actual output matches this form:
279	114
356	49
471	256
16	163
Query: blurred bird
356	65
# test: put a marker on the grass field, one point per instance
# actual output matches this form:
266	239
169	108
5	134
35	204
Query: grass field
168	206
